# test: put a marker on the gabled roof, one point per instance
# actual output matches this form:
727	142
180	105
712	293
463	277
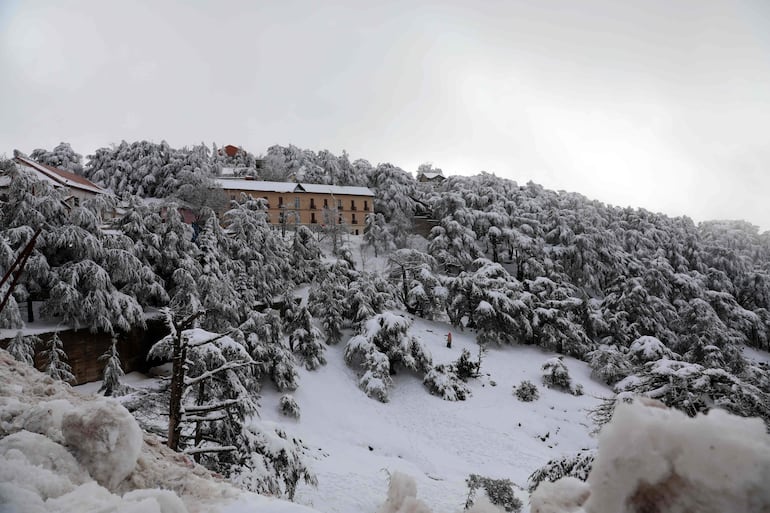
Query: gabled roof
289	187
59	177
431	176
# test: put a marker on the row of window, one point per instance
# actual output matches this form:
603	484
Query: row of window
314	220
326	204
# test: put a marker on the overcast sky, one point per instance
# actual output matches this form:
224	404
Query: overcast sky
659	104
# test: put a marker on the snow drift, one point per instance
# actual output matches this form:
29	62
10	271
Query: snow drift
655	459
60	451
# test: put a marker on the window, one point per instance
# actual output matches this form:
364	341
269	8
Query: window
280	201
296	202
326	203
356	232
354	219
339	204
352	204
312	218
339	221
77	202
366	206
312	203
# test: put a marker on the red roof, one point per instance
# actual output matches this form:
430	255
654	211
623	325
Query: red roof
61	176
231	150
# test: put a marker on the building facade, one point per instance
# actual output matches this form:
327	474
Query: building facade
313	205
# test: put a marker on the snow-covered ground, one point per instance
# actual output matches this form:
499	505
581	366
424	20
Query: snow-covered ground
358	440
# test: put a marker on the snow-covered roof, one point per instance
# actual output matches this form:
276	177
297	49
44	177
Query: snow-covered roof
59	177
288	187
336	189
432	176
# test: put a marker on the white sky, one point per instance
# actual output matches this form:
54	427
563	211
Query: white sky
654	103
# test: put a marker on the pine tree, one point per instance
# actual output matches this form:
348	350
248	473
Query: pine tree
23	348
113	371
381	346
555	374
55	360
608	364
327	301
305	339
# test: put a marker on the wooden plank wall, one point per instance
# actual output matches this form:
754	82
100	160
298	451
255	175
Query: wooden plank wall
84	348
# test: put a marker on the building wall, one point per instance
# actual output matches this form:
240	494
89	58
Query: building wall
309	207
84	349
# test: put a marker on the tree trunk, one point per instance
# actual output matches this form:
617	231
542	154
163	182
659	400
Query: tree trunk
176	392
30	310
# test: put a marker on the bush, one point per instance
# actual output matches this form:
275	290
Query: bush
577	390
499	491
608	364
526	391
555	374
443	381
465	368
289	406
578	465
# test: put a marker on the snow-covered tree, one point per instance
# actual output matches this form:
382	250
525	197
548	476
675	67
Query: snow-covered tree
62	156
289	406
453	245
414	275
377	234
113	371
444	381
304	255
305	339
22	348
577	465
382	345
326	301
649	349
555	374
526	391
263	336
395	192
608	364
691	388
276	464
55	359
499	491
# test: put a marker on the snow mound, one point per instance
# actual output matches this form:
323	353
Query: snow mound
652	458
105	439
402	498
60	451
566	495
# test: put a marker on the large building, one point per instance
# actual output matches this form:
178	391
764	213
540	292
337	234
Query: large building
307	203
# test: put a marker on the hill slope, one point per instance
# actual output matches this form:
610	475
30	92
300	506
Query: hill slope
438	442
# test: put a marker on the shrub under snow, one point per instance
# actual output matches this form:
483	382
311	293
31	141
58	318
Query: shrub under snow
578	466
526	391
555	374
289	406
499	491
402	498
442	380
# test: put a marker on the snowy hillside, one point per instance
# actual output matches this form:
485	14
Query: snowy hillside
356	441
438	442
